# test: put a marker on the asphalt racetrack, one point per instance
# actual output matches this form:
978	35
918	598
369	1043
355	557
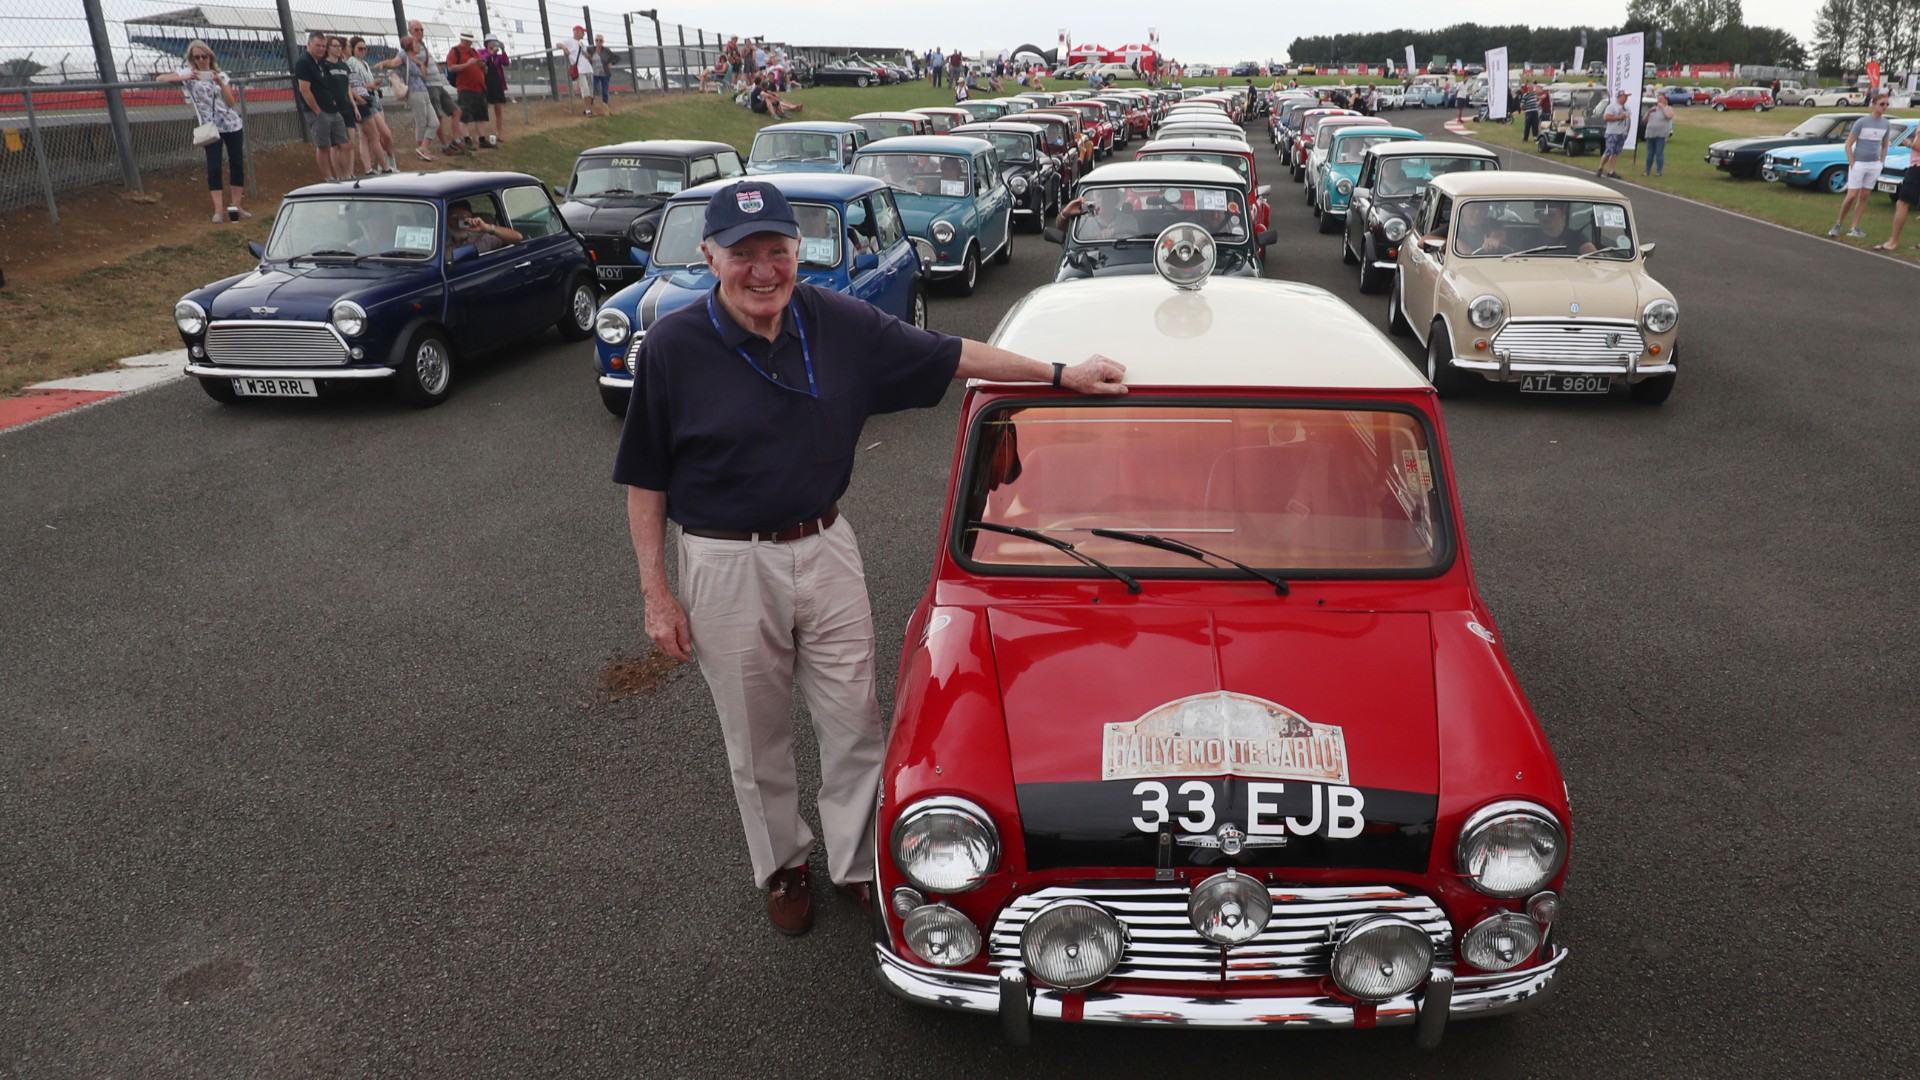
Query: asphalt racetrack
308	772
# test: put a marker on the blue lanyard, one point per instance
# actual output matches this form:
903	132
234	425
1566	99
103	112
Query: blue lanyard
806	354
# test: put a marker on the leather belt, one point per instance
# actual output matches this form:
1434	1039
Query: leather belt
776	536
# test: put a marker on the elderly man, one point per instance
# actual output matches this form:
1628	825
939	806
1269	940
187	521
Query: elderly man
745	415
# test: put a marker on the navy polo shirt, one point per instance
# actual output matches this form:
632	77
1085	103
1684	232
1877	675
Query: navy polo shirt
733	447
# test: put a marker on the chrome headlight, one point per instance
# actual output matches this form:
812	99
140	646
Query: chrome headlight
640	233
943	232
190	317
1344	187
1018	184
1510	849
349	318
1072	944
940	935
612	326
1394	227
1487	311
1229	908
1501	941
1381	958
1660	316
945	845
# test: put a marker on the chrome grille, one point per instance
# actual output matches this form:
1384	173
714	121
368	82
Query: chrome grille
1162	944
274	344
1557	340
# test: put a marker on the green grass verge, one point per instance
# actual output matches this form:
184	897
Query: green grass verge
1688	174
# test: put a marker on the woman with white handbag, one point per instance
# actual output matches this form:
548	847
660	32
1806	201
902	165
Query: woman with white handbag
410	86
210	93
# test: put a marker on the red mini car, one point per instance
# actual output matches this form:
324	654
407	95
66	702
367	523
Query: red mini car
1095	123
1757	98
1203	720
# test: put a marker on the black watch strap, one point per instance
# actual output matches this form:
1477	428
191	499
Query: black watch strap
1058	370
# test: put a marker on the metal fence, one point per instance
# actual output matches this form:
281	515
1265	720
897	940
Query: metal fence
79	109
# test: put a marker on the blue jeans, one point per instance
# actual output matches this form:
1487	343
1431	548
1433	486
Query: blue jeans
1656	154
601	84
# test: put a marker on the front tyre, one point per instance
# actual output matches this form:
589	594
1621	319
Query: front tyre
1005	254
1448	381
969	276
583	298
1372	278
615	400
1397	323
424	375
917	307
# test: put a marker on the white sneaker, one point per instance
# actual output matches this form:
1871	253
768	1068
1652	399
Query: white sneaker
1856	234
1834	232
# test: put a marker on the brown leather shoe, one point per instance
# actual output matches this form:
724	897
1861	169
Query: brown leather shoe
860	892
790	901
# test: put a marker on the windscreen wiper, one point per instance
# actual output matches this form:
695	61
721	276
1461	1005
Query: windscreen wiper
1533	251
1054	542
324	251
1279	583
396	253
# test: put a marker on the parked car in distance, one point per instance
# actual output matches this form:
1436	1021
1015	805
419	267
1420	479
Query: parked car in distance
943	118
616	193
1677	95
1823	166
1835	97
1393	177
1130	204
1536	279
852	240
845	73
1320	133
1755	98
951	195
377	280
1202	721
1793	93
805	146
1743	157
1033	176
886	125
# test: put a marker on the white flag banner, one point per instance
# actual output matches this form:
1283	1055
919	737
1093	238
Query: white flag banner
1411	66
1626	67
1497	83
1579	59
1911	77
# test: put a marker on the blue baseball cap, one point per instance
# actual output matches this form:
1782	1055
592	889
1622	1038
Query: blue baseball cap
741	209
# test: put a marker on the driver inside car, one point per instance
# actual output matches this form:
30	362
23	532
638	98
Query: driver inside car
1110	220
1556	233
464	228
1479	233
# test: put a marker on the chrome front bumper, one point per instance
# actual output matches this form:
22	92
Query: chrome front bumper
617	382
1460	996
215	371
943	270
1504	370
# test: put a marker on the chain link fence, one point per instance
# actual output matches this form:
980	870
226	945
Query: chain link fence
79	108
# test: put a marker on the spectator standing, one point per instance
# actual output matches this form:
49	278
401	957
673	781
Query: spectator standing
760	56
440	91
601	60
1907	197
743	427
936	64
1867	147
1619	122
419	99
497	60
209	91
1657	127
955	63
469	71
376	139
580	71
325	126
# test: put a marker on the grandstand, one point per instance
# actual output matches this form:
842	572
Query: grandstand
249	40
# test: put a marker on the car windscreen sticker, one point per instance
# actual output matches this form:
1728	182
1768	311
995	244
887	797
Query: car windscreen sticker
667	187
1418	468
413	238
1224	733
631	163
816	250
1610	217
953	187
1205	199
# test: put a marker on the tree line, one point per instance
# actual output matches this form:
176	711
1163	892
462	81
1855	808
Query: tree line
1848	33
1678	32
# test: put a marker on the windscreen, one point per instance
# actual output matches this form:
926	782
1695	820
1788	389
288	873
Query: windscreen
942	175
1011	145
346	227
1130	212
681	227
1350	150
773	147
887	129
616	176
1401	176
1543	228
1273	487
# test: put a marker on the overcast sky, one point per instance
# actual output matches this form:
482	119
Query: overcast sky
1220	32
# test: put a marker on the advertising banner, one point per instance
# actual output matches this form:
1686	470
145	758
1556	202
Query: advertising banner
1412	68
1579	58
1626	68
1497	83
1873	76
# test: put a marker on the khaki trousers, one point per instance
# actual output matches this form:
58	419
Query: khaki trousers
760	614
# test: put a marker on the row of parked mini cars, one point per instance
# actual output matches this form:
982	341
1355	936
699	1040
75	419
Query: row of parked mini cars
1519	277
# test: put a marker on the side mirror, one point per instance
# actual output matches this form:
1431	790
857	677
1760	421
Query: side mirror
559	193
465	252
1268	238
1434	244
865	261
1264	190
1053	235
256	249
1646	250
638	255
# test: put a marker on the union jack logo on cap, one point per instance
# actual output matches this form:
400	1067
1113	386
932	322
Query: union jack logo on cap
750	201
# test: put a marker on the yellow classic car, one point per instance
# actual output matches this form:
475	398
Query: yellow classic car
1534	279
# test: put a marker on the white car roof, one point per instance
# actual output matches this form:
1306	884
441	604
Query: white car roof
1226	143
1431	147
1223	334
1163	172
1521	184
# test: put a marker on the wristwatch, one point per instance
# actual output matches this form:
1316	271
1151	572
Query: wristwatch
1058	370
